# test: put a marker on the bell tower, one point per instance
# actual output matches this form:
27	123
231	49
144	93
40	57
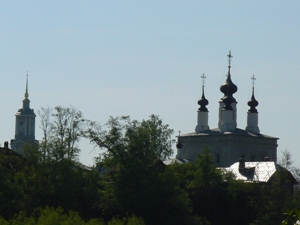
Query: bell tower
25	124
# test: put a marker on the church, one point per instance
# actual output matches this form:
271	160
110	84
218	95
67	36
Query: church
227	143
25	125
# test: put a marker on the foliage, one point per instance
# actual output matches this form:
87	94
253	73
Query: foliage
124	139
206	189
62	129
137	181
130	184
286	160
291	218
57	216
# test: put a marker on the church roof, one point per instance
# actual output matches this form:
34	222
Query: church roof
175	160
237	131
254	171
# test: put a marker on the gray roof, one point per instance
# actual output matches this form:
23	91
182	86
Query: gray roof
175	160
254	171
237	131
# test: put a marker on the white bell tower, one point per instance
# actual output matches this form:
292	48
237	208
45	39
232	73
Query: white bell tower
25	124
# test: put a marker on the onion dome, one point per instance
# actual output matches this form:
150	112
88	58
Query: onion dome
178	143
228	88
203	102
252	102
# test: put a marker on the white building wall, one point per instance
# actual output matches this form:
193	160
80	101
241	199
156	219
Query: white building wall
229	147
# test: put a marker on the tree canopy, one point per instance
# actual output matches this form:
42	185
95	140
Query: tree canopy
129	183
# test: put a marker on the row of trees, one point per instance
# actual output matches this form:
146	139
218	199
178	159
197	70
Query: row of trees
129	183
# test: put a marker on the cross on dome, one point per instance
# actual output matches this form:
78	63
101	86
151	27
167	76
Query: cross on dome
253	81
229	59
203	79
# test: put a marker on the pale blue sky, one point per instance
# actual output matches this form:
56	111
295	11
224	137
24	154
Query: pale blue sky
113	58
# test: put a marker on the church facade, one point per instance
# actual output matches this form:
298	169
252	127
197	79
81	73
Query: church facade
227	143
25	125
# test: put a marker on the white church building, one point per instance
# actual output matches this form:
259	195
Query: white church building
227	143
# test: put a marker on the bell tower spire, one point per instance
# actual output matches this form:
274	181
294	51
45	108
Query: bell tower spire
26	101
26	91
25	124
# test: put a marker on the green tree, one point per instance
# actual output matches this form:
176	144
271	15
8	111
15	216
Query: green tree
136	181
206	188
58	216
62	129
119	134
11	194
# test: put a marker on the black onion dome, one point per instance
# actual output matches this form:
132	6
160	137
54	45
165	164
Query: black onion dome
203	102
252	103
178	144
228	88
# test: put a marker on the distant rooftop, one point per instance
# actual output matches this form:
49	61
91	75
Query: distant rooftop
237	131
254	171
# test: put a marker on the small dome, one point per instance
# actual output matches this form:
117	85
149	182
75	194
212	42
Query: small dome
203	102
178	144
252	103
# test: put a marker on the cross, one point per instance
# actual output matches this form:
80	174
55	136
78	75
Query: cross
253	80
229	58
179	133
203	79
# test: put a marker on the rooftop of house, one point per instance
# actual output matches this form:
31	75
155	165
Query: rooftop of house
237	131
255	172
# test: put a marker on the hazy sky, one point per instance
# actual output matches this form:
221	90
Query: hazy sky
113	58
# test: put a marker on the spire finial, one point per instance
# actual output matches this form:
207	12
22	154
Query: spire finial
203	79
26	91
253	81
229	60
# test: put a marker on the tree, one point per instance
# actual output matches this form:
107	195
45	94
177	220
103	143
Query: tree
122	138
62	129
206	188
11	195
46	126
136	181
286	160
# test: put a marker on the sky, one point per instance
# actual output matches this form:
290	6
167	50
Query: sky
137	58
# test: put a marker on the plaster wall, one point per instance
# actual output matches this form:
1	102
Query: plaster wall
226	149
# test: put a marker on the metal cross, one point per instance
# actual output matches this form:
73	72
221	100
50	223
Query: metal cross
203	79
229	58
253	80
